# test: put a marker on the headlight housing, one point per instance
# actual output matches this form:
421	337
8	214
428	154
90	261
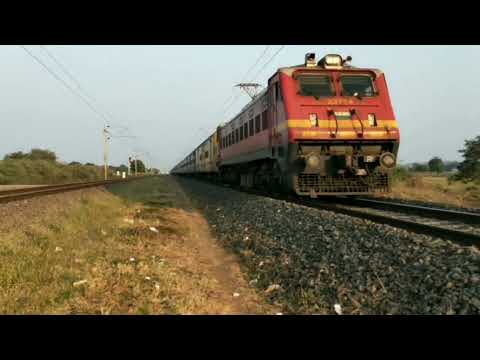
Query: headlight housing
313	120
387	160
331	61
313	161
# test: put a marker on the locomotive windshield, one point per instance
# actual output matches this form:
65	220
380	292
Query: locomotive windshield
362	85
316	86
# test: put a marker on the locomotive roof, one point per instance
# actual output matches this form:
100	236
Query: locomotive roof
290	69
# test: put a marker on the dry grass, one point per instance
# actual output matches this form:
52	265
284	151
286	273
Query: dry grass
437	189
100	257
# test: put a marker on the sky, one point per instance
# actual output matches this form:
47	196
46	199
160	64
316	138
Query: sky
171	97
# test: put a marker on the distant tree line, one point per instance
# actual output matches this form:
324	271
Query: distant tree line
435	164
48	155
466	170
34	154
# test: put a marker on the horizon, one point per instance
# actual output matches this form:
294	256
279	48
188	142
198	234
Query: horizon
171	97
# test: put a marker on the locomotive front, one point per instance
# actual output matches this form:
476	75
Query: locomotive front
339	128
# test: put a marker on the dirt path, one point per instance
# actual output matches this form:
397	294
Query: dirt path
233	294
198	251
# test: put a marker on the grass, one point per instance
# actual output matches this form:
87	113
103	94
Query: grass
99	256
26	172
427	187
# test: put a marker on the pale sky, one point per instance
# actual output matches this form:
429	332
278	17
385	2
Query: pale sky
171	97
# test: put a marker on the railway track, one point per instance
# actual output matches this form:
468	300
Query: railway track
25	193
459	226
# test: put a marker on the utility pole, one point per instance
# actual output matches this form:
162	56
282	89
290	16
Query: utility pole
135	158
106	138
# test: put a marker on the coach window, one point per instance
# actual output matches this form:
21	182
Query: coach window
250	127
264	120
241	132
245	130
257	124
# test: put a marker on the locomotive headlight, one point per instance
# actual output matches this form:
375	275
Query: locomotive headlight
333	60
387	160
313	161
314	120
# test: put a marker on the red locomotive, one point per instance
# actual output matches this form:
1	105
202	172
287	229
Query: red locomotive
320	128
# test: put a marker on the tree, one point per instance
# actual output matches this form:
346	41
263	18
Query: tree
436	165
74	163
42	154
123	168
15	156
417	167
140	166
34	154
469	168
451	165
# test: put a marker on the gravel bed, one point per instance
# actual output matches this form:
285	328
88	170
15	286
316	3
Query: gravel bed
317	262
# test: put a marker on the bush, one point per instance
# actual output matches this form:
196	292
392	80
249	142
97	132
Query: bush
34	154
436	165
401	173
30	172
469	168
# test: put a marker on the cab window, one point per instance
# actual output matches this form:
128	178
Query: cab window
360	84
316	86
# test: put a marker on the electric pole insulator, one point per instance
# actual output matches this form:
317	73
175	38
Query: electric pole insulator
250	88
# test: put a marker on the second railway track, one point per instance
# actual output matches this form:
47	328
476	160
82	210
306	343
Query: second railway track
30	192
459	226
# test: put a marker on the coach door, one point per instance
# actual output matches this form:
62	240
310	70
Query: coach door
273	101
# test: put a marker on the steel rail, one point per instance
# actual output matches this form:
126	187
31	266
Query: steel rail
25	193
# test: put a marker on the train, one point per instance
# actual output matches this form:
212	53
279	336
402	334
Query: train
319	128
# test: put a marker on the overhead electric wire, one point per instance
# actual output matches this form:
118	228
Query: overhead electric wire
249	70
58	78
85	97
243	79
268	63
81	88
258	73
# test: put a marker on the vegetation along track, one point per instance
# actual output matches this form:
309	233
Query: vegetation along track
460	226
25	193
